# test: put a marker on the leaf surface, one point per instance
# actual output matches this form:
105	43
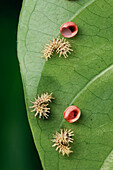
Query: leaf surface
85	79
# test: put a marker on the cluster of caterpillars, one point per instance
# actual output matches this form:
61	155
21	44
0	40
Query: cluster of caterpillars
61	140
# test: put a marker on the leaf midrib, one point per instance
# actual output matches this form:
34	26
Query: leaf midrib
82	8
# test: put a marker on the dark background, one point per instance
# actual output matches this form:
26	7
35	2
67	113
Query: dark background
17	148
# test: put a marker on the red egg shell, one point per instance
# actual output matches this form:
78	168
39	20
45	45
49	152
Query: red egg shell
72	114
69	29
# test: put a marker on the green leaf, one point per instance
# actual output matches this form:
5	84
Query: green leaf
85	79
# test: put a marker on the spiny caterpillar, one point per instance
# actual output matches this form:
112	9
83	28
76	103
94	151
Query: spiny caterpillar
62	140
61	46
40	105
